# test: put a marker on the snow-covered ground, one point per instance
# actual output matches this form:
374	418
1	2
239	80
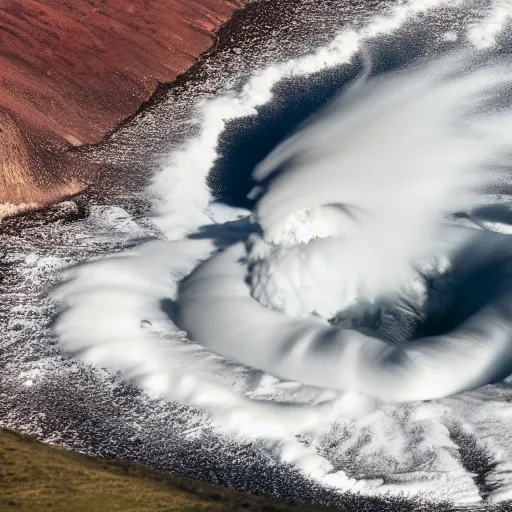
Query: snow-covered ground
121	304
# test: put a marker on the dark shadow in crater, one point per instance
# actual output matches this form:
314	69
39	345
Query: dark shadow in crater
481	276
224	235
247	141
169	307
496	213
473	300
475	296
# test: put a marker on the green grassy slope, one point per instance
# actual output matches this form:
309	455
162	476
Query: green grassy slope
36	477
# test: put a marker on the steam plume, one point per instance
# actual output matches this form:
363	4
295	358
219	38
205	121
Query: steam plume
375	176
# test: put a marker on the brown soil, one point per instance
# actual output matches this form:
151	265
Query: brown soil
71	70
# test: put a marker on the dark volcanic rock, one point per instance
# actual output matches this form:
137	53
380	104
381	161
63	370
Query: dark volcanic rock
71	70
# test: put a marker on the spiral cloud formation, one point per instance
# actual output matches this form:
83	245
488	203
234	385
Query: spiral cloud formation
355	232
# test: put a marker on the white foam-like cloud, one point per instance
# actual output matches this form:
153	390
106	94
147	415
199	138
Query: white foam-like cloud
180	189
378	171
483	35
113	314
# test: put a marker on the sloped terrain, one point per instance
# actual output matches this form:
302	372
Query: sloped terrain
70	71
34	477
416	456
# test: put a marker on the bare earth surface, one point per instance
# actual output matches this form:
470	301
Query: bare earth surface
70	71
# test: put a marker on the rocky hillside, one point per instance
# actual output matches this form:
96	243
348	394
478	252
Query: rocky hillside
71	70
